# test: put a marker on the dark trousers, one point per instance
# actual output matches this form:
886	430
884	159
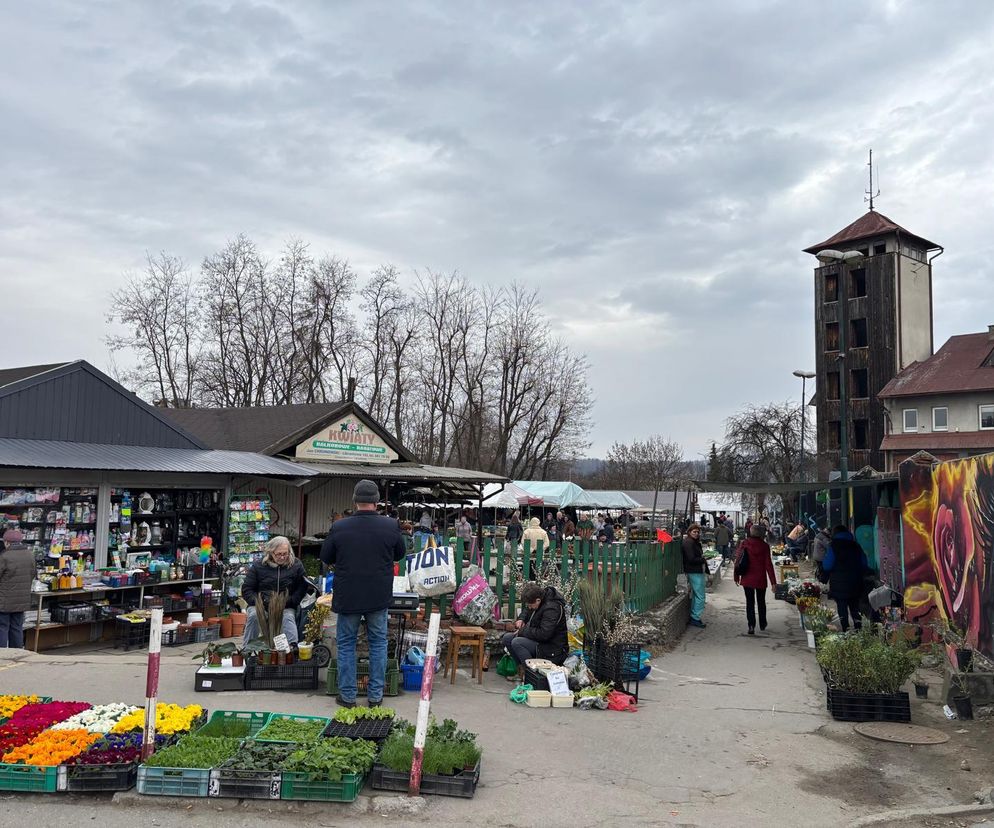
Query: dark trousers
753	597
521	649
12	629
848	606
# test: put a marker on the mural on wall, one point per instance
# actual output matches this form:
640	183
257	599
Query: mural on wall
948	520
889	547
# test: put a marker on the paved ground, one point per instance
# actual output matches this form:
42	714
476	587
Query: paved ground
732	731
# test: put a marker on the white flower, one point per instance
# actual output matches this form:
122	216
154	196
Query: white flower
98	719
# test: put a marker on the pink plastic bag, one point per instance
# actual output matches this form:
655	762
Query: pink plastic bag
617	700
474	601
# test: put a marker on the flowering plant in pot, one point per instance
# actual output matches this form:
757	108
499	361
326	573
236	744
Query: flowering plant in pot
214	652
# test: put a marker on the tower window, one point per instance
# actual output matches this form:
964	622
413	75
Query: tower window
860	383
857	282
879	249
865	251
858	334
910	420
832	388
831	336
831	287
860	434
834	436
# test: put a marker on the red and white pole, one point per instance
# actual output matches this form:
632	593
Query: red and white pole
152	682
427	680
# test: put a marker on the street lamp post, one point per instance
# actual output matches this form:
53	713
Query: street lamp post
844	260
804	376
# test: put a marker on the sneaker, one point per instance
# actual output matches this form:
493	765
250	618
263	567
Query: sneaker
344	702
762	627
752	630
696	622
371	703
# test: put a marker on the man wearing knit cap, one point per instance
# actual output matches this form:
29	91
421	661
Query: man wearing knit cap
363	549
17	571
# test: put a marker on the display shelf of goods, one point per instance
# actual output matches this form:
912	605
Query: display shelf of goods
450	767
391	686
234	724
255	772
301	675
372	723
184	769
283	728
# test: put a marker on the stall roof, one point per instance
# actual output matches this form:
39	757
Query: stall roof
58	454
557	493
611	499
411	472
665	499
510	498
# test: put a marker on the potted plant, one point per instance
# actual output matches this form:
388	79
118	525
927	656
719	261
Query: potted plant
250	648
961	697
214	652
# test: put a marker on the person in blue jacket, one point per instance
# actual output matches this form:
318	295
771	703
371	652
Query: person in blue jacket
845	564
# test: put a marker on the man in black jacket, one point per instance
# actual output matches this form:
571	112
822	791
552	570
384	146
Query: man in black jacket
541	626
845	563
363	549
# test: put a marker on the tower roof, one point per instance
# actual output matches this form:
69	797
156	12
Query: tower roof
865	227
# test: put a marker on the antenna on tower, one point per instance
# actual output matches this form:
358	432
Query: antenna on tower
870	192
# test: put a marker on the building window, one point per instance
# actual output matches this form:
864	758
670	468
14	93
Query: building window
860	383
858	336
940	419
831	287
834	436
832	390
831	336
986	416
860	434
865	251
857	282
879	249
911	419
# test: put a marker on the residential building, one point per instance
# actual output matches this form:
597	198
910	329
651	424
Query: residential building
888	319
944	404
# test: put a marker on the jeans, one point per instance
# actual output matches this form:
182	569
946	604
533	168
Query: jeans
698	588
521	649
724	552
846	607
252	625
755	596
376	632
12	629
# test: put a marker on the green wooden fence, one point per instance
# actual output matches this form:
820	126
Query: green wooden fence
646	572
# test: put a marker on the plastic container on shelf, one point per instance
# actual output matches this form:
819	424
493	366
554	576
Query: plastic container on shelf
194	617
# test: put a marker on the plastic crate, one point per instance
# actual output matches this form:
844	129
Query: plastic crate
462	784
73	613
128	634
174	638
301	675
212	632
117	777
255	720
536	679
215	679
372	729
391	686
299	786
232	783
412	676
262	734
31	778
868	707
780	591
173	781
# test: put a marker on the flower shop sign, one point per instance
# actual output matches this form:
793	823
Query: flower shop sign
350	440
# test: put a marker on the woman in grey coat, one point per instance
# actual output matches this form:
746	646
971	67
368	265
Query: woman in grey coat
17	571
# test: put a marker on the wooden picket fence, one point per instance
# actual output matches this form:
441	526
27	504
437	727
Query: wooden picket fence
645	571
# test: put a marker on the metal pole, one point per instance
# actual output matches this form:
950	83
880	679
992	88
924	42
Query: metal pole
421	730
844	393
152	682
804	418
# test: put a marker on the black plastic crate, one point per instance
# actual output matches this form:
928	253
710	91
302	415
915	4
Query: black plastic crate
535	679
617	664
212	632
128	634
117	777
462	784
372	729
173	638
780	591
73	613
242	784
301	675
210	680
868	707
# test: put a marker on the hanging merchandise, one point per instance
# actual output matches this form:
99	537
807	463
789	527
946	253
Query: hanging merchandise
432	570
248	529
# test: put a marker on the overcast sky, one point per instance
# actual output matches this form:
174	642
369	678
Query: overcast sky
656	168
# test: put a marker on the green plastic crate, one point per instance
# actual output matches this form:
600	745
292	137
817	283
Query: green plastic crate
261	737
173	781
298	786
34	778
391	686
256	720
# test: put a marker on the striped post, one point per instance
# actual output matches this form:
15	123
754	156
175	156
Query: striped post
424	706
152	682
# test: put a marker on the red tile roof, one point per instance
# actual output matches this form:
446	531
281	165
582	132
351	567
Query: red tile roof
865	227
939	441
962	364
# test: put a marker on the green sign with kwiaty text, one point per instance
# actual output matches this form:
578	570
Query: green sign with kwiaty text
356	447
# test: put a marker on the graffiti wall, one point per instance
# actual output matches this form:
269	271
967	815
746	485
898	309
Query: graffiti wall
947	511
889	547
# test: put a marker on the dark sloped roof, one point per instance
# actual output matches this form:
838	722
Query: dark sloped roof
961	365
9	375
865	227
265	428
939	441
411	472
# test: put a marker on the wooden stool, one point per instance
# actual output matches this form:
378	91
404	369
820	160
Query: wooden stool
472	637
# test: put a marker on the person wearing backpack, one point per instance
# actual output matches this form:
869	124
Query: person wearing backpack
753	568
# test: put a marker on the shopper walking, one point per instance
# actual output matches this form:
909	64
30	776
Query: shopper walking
363	550
722	539
695	568
753	571
17	571
514	531
819	548
846	564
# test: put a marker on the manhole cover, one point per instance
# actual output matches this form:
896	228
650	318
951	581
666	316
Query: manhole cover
905	734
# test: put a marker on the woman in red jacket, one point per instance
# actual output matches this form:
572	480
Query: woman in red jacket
758	569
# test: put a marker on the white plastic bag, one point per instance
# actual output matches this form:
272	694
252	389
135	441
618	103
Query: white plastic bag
432	570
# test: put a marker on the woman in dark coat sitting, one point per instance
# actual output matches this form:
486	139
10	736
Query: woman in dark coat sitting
278	571
541	627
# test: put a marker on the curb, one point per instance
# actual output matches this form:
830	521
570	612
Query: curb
911	813
386	805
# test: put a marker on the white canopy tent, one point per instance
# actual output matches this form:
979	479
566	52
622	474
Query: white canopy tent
512	497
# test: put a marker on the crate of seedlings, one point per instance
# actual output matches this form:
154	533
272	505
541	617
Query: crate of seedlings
451	764
361	723
184	769
391	685
288	728
234	724
255	772
329	770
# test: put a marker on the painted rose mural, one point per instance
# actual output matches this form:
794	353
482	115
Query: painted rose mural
948	522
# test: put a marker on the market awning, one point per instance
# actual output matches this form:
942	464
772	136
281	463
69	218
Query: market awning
57	454
557	493
611	499
511	497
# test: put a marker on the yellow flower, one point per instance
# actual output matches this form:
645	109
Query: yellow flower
169	719
9	705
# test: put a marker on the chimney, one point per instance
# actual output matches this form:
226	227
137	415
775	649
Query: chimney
350	394
990	333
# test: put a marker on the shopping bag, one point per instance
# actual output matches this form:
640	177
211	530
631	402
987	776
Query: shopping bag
507	666
621	701
474	601
432	570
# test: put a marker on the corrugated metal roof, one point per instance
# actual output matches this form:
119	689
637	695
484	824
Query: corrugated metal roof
9	375
413	472
57	454
865	227
963	364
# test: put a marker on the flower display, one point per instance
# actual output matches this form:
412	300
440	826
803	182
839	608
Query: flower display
11	704
51	747
99	719
169	718
115	748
